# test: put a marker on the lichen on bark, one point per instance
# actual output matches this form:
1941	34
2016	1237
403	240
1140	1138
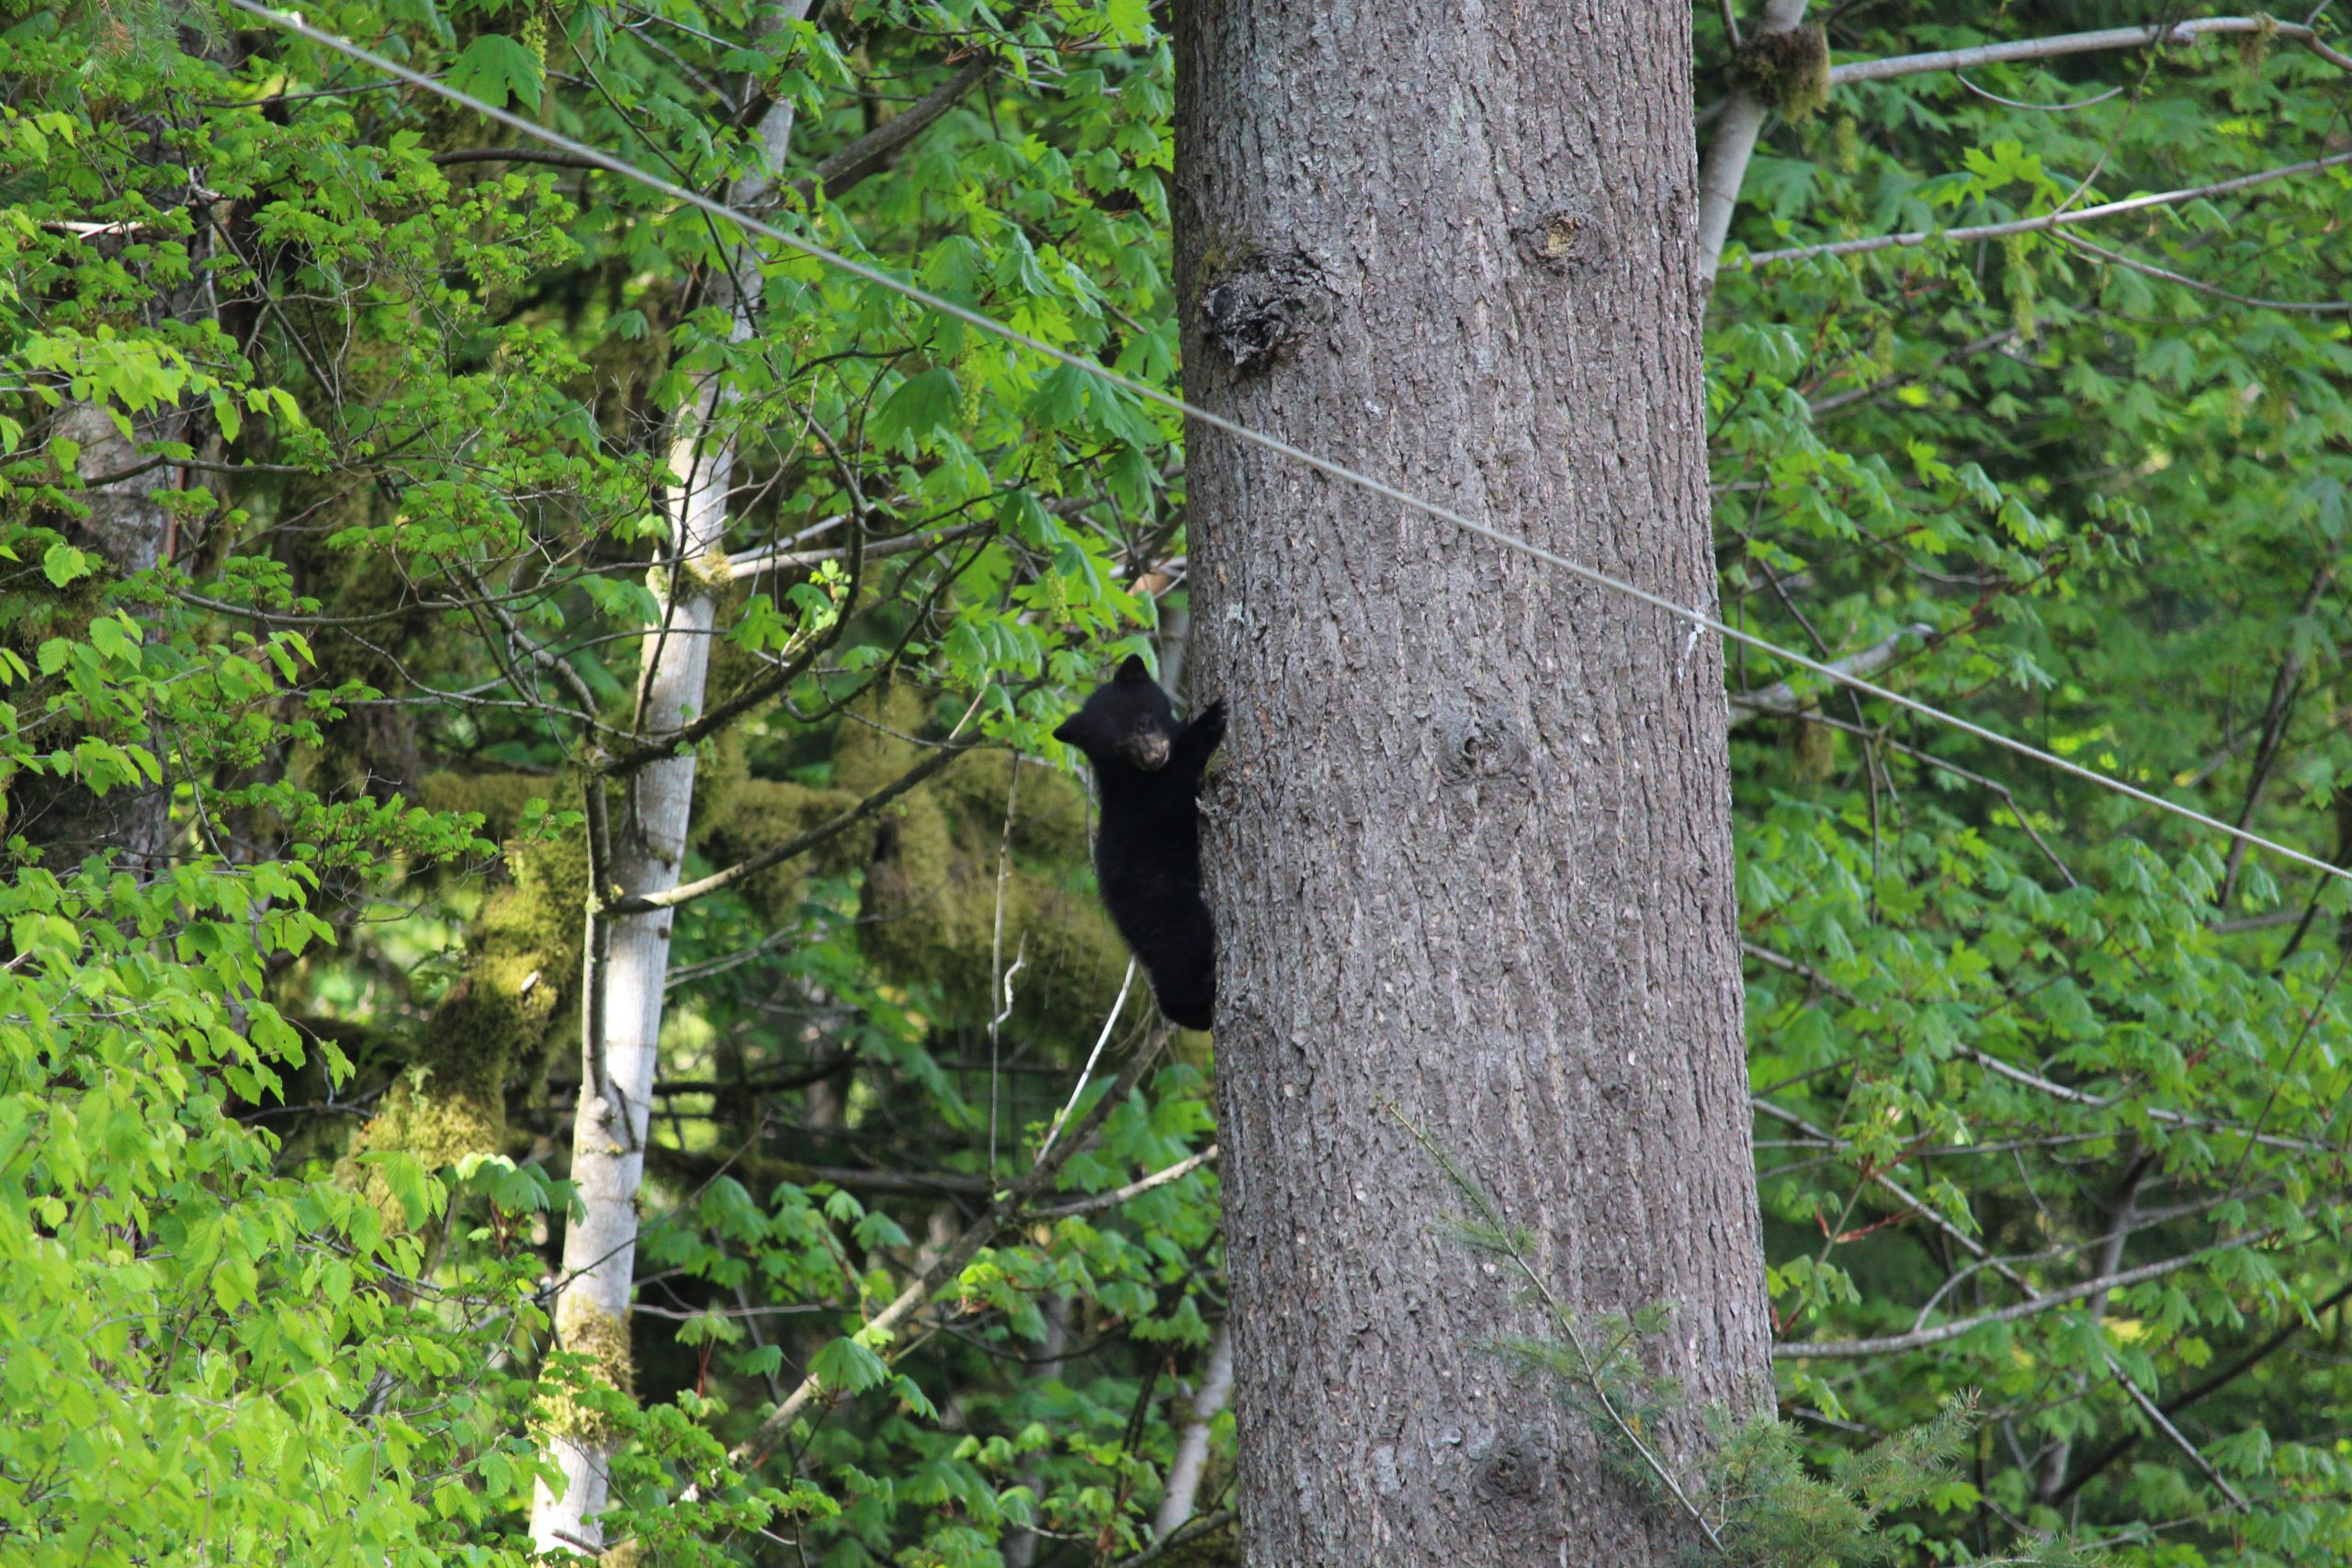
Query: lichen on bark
581	1330
504	1018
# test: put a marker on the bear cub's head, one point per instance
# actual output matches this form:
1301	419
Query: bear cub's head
1130	721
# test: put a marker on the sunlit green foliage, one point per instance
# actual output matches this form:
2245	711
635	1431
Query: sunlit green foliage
411	399
2012	1034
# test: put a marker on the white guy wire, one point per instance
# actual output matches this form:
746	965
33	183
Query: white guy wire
1055	1130
745	222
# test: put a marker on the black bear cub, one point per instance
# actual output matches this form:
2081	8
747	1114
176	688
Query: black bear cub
1147	852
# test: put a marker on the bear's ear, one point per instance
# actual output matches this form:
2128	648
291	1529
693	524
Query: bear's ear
1133	671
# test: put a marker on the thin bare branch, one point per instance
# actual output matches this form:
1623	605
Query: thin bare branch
1085	1073
1894	1343
2104	39
752	562
1999	1069
2283	687
1207	1523
800	845
2149	269
2045	220
873	151
1118	1195
515	155
2110	1254
951	1260
1991	96
1836	401
2090	1467
1781	698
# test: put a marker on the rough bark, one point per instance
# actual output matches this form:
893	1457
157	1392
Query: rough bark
126	527
628	954
1470	855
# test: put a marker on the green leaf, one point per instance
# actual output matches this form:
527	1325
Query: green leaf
225	414
114	637
62	564
844	1366
923	406
1061	398
496	68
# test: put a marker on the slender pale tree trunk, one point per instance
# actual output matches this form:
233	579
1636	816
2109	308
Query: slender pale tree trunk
1192	1460
1726	168
1470	855
628	954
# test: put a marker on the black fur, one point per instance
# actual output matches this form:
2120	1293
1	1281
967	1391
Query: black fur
1147	852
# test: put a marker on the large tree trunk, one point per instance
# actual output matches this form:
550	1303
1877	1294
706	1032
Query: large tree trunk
126	527
1470	858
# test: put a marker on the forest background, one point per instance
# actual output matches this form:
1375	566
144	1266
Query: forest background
353	445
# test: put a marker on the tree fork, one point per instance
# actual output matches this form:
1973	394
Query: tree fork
1471	853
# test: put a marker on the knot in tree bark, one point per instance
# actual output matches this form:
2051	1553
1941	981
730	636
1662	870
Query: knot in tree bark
1259	305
